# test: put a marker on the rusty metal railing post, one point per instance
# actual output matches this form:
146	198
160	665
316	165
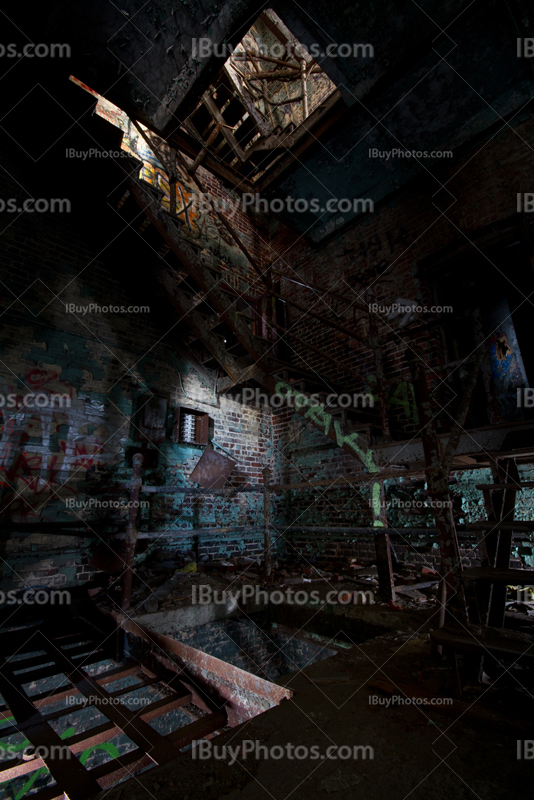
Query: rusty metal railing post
384	566
131	532
267	521
438	487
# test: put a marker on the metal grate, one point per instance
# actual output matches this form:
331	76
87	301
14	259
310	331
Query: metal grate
72	655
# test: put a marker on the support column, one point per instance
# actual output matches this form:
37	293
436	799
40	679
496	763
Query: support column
438	487
267	521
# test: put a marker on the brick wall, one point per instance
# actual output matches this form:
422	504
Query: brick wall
388	252
105	365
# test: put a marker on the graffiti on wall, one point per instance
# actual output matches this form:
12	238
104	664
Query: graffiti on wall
42	448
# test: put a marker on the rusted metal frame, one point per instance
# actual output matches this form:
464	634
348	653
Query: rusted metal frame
247	101
142	684
216	166
121	767
47	672
68	773
215	112
267	521
27	663
16	768
233	233
216	347
131	532
264	85
252	55
248	79
211	138
297	137
497	604
384	565
48	698
139	731
458	426
192	263
93	736
374	342
201	661
438	485
165	704
304	83
117	674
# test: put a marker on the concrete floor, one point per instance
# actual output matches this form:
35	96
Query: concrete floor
418	752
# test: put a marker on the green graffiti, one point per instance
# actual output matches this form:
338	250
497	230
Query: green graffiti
106	746
323	420
319	417
401	396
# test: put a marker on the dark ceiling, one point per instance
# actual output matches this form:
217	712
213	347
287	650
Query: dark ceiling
444	75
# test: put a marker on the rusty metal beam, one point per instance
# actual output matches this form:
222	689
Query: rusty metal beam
231	230
66	771
384	565
193	264
261	368
458	427
438	486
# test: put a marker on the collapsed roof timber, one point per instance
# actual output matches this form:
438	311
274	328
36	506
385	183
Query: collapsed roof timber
267	429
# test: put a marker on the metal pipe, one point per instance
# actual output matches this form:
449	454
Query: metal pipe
438	486
304	80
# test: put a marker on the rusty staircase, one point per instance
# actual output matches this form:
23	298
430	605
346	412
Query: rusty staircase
80	654
226	326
